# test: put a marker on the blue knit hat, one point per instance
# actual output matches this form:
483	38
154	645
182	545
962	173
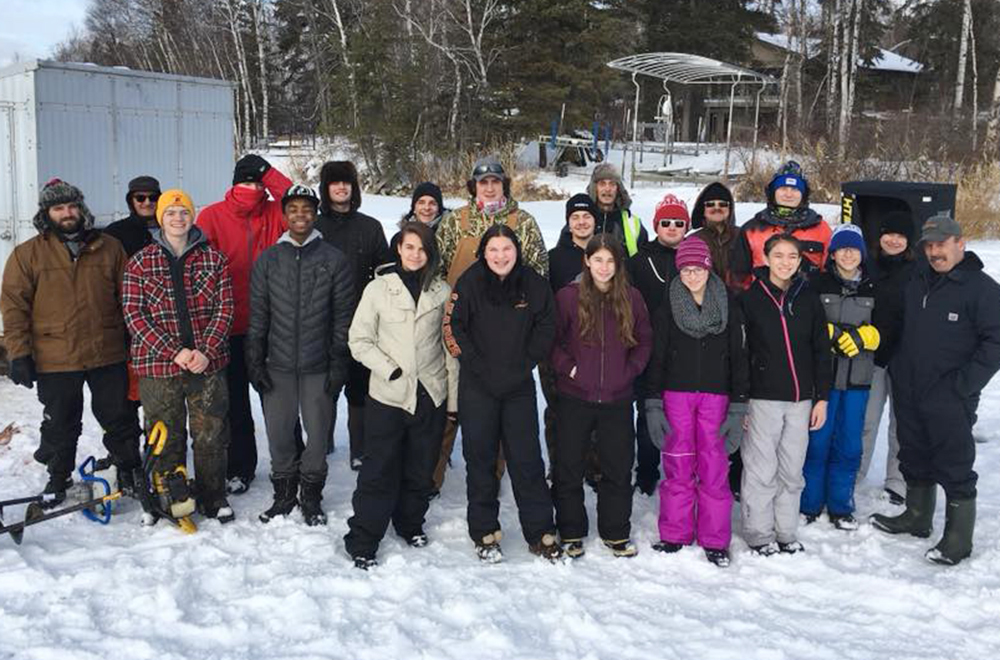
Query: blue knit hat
790	175
848	236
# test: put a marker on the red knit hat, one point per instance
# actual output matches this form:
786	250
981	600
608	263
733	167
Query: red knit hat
671	208
693	252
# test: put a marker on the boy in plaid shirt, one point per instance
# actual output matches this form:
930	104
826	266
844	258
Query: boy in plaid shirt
178	304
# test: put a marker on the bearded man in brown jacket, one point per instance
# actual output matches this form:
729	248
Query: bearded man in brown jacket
63	327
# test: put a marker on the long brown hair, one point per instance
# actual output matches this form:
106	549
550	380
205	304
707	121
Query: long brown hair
592	299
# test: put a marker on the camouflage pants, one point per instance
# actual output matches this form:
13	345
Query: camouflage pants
204	399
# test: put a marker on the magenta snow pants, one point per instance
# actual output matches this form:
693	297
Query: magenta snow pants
695	500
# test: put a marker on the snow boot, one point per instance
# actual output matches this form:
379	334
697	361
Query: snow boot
364	563
547	548
765	550
622	548
956	542
237	485
573	548
56	487
790	548
667	547
418	540
845	522
312	495
718	557
285	497
219	510
918	518
488	548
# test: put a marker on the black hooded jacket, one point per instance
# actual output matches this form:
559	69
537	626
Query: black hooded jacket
890	275
565	261
650	271
950	339
360	237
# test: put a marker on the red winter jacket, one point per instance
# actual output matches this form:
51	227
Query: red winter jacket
241	231
605	370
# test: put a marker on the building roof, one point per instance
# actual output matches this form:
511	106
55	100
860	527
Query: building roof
884	61
687	69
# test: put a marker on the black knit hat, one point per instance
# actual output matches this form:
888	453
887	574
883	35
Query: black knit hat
897	222
426	189
250	169
146	184
580	202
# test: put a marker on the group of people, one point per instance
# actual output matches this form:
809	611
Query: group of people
751	363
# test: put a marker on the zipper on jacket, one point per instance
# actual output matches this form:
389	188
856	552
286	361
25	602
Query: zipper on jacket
298	302
788	342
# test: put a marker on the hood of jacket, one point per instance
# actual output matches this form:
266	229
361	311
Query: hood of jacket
714	190
315	235
195	238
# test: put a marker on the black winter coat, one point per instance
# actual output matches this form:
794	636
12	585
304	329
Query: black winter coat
610	222
565	261
787	341
301	305
950	339
890	275
714	363
498	345
847	308
650	271
361	239
131	232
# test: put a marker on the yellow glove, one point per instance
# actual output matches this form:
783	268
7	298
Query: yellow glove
870	337
847	345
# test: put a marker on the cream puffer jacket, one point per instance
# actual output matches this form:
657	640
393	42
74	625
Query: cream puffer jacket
390	332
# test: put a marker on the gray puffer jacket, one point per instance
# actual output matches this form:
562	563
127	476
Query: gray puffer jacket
301	304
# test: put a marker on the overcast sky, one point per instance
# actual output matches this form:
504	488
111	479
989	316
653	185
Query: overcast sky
31	28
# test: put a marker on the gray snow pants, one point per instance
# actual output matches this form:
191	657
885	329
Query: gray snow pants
880	393
773	451
292	394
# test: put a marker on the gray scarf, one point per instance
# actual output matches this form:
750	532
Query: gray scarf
713	316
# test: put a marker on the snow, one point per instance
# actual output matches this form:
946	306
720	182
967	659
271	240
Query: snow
885	60
75	589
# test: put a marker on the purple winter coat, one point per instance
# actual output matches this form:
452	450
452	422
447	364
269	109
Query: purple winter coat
605	370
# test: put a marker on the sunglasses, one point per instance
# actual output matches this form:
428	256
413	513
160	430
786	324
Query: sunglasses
142	199
717	204
667	224
490	168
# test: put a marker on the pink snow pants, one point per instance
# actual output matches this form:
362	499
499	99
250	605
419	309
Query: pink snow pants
695	500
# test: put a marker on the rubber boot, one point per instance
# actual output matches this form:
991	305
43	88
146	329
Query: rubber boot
285	497
918	518
956	542
312	495
356	431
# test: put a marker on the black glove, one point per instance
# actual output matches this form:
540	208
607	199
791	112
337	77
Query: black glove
22	371
261	382
334	381
250	168
398	372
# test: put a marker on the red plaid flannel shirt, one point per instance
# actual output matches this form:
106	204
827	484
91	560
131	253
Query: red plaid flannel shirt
151	310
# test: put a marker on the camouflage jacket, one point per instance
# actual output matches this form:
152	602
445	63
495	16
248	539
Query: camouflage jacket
449	233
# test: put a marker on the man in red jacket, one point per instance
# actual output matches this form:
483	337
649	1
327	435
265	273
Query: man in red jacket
241	226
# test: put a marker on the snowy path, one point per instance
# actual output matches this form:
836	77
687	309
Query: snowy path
75	589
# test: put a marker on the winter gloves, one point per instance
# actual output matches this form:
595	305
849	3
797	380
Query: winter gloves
22	371
732	426
261	381
656	422
851	341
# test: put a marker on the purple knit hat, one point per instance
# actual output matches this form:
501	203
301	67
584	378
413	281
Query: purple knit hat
693	252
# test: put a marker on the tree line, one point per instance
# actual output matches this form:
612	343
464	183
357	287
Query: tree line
406	78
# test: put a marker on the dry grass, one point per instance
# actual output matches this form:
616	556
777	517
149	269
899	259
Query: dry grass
978	203
453	171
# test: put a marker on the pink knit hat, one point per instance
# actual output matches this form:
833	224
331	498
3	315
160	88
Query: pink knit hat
671	207
693	252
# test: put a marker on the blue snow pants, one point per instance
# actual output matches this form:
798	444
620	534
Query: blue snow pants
834	455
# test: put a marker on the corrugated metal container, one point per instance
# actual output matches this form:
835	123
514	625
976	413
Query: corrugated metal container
98	127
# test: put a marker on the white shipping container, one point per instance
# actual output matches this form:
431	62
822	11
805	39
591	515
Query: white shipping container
98	127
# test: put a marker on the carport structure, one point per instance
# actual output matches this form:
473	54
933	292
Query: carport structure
687	69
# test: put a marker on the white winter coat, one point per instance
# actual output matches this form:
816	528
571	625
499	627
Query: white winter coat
390	332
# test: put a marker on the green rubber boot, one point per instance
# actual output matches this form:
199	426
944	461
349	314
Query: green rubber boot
918	518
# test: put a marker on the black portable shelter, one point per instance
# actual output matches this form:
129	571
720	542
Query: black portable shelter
865	203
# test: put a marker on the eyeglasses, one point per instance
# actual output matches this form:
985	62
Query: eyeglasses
667	224
691	271
488	168
142	199
717	204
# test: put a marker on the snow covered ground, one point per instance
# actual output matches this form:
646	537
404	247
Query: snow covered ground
75	589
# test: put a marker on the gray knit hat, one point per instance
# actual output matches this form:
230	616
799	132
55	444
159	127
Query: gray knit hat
57	192
608	171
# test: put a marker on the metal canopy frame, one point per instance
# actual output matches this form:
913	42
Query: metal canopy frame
687	69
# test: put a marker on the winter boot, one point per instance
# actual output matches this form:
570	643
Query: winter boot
956	542
918	518
667	547
547	548
765	550
418	540
364	563
219	509
844	522
622	548
790	548
718	557
573	548
312	495
488	548
285	497
56	487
